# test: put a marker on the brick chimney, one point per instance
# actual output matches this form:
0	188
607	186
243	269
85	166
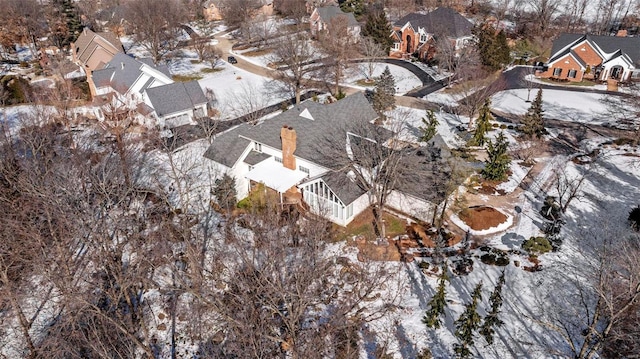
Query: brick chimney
288	137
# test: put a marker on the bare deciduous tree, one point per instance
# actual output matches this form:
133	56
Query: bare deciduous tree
291	56
337	44
592	294
155	25
371	52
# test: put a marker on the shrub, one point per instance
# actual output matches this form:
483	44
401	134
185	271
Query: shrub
495	124
244	203
537	245
340	95
503	126
634	218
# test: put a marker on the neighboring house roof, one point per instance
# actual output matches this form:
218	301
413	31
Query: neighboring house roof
162	68
327	13
122	72
88	41
607	46
311	134
176	97
441	21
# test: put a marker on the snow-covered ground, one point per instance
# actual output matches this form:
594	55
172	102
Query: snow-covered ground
571	106
239	92
405	79
407	122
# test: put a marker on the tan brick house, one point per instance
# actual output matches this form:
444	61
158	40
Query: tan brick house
576	57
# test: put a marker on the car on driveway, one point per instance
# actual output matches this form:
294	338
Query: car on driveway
232	60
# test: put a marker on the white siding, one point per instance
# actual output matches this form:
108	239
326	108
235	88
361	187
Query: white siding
410	205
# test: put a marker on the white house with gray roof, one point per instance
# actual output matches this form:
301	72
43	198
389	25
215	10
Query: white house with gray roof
150	88
283	153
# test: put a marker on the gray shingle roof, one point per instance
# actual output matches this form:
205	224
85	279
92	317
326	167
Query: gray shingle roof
310	133
629	46
254	157
227	148
329	12
441	21
121	73
343	187
176	97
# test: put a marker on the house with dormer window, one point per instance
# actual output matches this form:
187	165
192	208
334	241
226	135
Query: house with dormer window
577	57
282	155
416	33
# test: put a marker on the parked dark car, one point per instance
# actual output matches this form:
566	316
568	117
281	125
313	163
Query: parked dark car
232	60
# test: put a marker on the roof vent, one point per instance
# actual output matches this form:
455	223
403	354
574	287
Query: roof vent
306	114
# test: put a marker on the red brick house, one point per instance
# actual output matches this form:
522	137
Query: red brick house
415	33
576	57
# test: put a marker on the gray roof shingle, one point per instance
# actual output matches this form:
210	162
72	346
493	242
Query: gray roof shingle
227	148
120	73
176	97
343	187
330	12
254	157
310	134
441	21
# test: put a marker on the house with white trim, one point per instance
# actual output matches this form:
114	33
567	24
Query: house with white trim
149	88
415	33
576	57
283	154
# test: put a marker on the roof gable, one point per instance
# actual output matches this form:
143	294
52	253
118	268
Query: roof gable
310	133
606	46
441	21
176	97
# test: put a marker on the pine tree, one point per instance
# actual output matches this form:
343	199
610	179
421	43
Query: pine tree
430	127
533	122
483	125
437	303
502	52
467	324
491	320
498	160
225	192
493	48
378	28
384	92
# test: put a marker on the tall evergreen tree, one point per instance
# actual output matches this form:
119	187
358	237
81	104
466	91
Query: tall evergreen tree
483	125
533	122
378	28
437	304
493	47
491	320
384	93
430	127
498	160
467	324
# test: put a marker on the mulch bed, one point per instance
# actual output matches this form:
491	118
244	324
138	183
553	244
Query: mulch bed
482	217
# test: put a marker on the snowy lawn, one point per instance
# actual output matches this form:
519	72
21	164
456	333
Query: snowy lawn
560	105
407	122
405	79
238	92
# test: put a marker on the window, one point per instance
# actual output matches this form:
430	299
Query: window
257	146
396	46
423	38
304	169
278	159
557	72
572	74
